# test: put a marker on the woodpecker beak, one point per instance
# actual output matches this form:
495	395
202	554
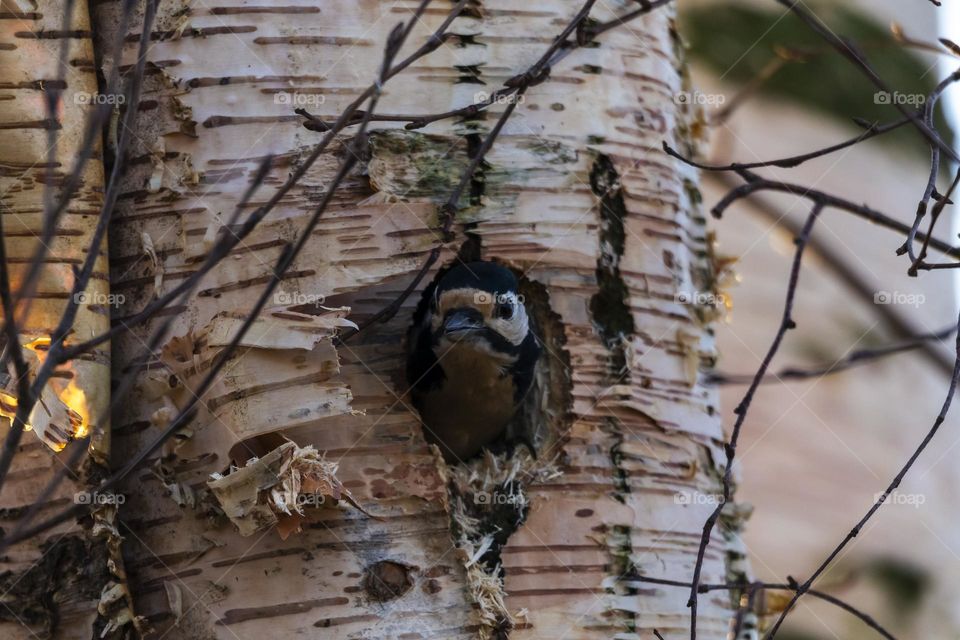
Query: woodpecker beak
463	320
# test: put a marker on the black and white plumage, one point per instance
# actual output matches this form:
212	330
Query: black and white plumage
472	357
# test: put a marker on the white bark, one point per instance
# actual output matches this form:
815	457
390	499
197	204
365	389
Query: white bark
619	443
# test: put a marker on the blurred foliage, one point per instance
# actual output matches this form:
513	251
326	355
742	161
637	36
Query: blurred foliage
737	42
905	585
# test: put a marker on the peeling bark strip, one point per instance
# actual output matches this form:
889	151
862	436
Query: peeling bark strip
603	267
55	584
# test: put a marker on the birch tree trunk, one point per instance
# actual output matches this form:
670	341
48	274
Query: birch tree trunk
58	580
576	195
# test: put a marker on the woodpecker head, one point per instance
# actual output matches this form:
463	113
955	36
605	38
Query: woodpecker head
477	305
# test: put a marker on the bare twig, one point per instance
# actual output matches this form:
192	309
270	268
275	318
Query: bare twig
772	586
941	416
854	359
786	323
286	258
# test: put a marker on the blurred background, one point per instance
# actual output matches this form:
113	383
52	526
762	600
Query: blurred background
814	454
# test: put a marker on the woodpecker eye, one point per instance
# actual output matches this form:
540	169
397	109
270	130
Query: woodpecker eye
505	311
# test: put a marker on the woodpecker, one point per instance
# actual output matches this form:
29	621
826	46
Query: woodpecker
472	356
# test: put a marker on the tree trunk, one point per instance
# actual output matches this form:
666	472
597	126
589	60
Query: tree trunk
57	581
576	195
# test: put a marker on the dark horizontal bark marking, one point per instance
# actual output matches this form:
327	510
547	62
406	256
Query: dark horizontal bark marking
554	592
158	214
224	121
47	123
296	40
254	390
266	555
223	11
13	513
20	15
196	32
35	84
518	12
570	486
233	616
77	34
156	584
207	81
243	284
138	524
243	249
560	568
335	622
511	548
48	260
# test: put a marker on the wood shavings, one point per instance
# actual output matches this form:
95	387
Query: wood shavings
157	264
288	480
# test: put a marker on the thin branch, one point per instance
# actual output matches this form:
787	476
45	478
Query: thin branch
15	351
941	416
772	586
53	210
756	183
872	131
931	188
535	74
848	274
847	50
786	323
120	394
231	238
286	258
854	359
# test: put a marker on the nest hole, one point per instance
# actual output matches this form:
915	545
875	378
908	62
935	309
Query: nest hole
489	493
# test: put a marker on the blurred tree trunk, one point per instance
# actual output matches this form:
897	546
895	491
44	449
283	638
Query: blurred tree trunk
58	579
576	194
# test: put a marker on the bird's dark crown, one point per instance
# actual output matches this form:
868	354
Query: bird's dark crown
483	276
